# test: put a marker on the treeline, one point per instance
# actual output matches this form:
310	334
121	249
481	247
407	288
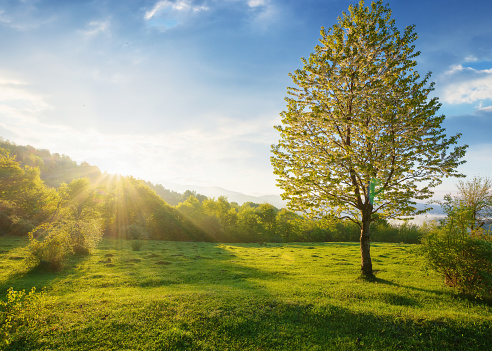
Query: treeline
125	207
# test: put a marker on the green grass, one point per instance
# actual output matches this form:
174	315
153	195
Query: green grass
205	296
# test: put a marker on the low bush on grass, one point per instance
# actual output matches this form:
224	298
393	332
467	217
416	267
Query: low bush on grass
463	257
52	250
50	245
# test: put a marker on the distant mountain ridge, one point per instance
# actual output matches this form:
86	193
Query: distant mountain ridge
232	196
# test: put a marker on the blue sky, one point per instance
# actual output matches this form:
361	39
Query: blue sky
188	92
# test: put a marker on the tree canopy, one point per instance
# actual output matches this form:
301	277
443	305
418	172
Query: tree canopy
359	114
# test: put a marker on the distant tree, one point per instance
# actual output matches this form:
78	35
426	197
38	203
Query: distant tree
361	113
268	218
24	199
249	224
476	194
289	225
222	210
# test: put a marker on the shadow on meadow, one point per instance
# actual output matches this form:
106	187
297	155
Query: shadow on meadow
200	296
263	324
25	276
164	264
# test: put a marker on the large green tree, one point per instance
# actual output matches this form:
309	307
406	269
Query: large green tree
361	113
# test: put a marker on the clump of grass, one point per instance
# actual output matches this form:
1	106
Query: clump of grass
137	245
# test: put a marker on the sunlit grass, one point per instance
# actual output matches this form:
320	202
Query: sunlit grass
205	296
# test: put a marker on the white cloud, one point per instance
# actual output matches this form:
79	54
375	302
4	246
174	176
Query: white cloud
454	69
486	109
178	6
96	27
15	93
467	84
471	58
469	91
459	68
256	3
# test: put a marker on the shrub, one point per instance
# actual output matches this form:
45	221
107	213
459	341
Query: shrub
464	260
63	238
84	235
52	250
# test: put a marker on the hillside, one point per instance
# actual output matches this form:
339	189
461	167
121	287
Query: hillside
56	169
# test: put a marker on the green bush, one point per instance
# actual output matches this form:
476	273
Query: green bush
136	232
84	235
52	249
50	244
463	259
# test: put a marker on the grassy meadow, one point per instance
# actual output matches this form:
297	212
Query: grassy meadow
207	296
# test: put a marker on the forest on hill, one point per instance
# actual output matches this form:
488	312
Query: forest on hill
39	189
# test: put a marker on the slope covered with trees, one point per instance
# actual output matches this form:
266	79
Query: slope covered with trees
128	208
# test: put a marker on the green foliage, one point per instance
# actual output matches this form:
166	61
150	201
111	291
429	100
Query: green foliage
24	200
75	227
398	233
359	112
476	195
52	251
81	212
464	258
55	169
19	314
137	232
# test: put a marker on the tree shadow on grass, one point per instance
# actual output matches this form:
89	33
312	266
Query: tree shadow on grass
377	280
40	276
202	265
266	323
244	316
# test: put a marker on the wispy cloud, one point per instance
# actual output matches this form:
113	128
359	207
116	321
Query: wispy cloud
469	91
97	27
256	3
16	93
175	6
264	13
24	16
460	68
466	84
484	110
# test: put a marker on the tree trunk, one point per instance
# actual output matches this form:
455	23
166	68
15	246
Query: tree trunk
365	247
